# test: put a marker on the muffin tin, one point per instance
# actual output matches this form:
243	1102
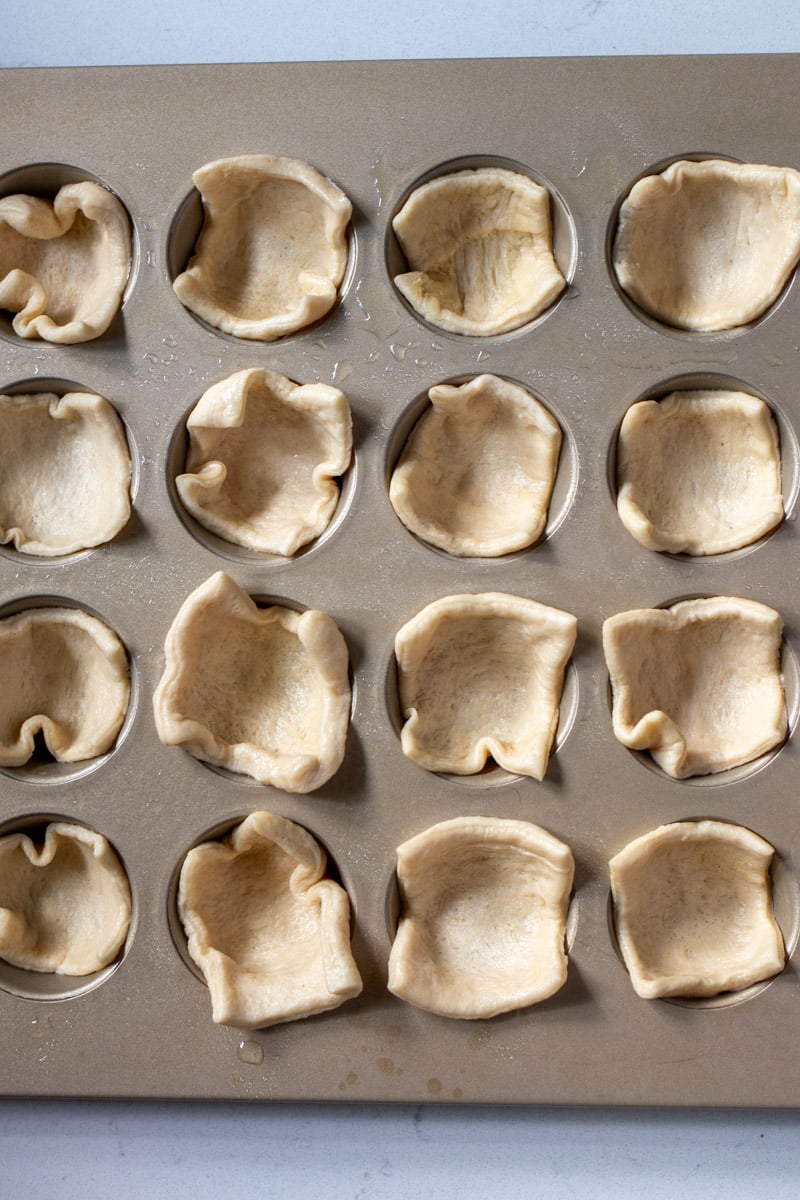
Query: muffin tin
587	128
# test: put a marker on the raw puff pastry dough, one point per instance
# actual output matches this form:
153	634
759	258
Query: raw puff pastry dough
479	249
65	906
693	910
483	916
482	675
477	472
65	472
64	266
65	673
709	245
273	249
263	458
261	691
268	929
698	684
699	472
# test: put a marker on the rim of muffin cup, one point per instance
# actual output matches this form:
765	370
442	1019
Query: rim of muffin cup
565	241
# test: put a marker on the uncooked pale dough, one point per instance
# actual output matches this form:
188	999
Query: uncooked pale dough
479	248
698	684
699	472
65	673
263	458
261	691
65	472
693	910
64	266
483	916
65	905
709	245
273	249
477	472
266	926
482	675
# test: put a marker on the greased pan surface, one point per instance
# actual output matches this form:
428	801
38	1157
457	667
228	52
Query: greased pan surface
589	128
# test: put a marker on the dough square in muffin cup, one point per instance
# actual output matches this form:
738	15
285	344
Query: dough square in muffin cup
480	676
708	246
64	265
260	691
479	248
273	249
483	917
65	472
65	904
699	472
693	910
263	460
66	676
268	928
698	684
477	472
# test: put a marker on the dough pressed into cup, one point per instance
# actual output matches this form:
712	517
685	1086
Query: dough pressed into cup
264	692
709	245
483	915
273	249
65	472
477	472
699	472
64	265
266	926
693	910
698	684
263	460
479	250
479	676
65	675
65	905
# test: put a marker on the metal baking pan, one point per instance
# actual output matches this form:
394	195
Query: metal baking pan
588	128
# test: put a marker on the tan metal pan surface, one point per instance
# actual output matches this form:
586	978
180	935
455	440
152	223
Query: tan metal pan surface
587	127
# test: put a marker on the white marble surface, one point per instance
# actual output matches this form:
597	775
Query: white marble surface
131	1151
101	32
